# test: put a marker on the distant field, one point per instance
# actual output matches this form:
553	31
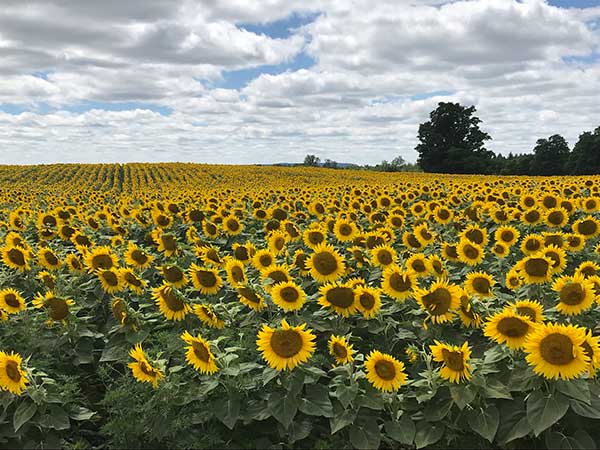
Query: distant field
196	306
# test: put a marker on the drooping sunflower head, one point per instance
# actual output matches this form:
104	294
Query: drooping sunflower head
576	294
143	371
556	351
456	365
171	304
207	315
439	301
131	281
288	296
338	297
11	301
250	298
480	283
397	283
340	349
325	264
12	376
198	354
508	327
384	371
285	347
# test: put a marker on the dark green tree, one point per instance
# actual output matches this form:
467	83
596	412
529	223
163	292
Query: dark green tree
550	156
311	160
585	157
452	142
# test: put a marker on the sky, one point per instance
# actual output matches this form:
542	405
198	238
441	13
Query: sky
267	81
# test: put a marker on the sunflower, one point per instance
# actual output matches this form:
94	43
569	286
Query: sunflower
591	347
313	237
588	227
556	351
16	257
506	235
574	242
558	257
384	371
299	261
467	315
119	310
513	279
443	215
235	271
439	300
418	264
136	257
588	269
531	216
170	302
209	255
423	234
198	354
411	242
340	349
436	265
325	264
167	242
286	347
142	370
456	361
277	241
556	217
288	296
345	230
397	283
57	307
383	256
469	253
11	301
449	252
367	300
480	283
475	234
174	276
12	377
232	225
73	262
576	294
206	280
277	273
531	309
110	280
339	297
207	315
263	259
250	298
532	243
535	269
508	327
131	281
101	258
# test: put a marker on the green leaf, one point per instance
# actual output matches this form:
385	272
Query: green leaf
402	431
434	412
283	407
228	412
366	434
462	395
268	375
346	394
485	421
428	434
23	413
592	411
576	389
544	410
59	419
299	430
112	354
522	428
496	389
579	441
81	413
341	420
317	402
371	400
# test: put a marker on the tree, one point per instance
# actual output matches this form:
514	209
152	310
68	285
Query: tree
452	142
585	157
311	160
329	163
550	156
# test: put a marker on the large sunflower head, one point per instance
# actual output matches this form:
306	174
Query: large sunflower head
588	227
384	371
397	283
16	257
556	351
11	301
101	258
456	361
531	309
205	279
12	376
535	269
440	300
250	298
339	297
198	354
576	294
171	304
480	284
143	371
469	253
508	327
325	264
340	349
288	296
286	347
367	300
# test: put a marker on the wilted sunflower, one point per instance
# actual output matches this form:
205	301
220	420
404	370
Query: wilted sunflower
535	269
170	303
11	301
456	360
136	257
206	280
325	264
440	300
131	281
198	354
142	370
367	300
286	347
384	371
397	283
339	297
12	376
207	315
480	283
288	296
469	253
57	307
531	309
16	257
576	294
508	327
101	258
250	298
383	256
556	351
340	349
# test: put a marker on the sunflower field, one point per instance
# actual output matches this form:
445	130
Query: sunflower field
197	306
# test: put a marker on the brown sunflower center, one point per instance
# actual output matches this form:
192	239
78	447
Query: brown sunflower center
241	253
385	257
481	285
172	274
249	294
110	278
555	217
232	224
475	236
11	300
587	349
265	260
454	360
443	214
385	370
163	220
572	294
507	236
527	311
342	297
438	301
206	278
171	300
588	271
58	308
339	350
345	229
16	256
278	276
279	243
513	327
451	251
399	282
367	301
557	349
537	267
418	265
210	228
139	257
237	274
286	343
413	241
200	351
102	262
131	279
587	227
289	294
470	252
168	242
532	245
325	263
300	261
532	216
12	371
315	237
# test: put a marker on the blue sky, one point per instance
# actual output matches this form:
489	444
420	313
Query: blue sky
262	82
